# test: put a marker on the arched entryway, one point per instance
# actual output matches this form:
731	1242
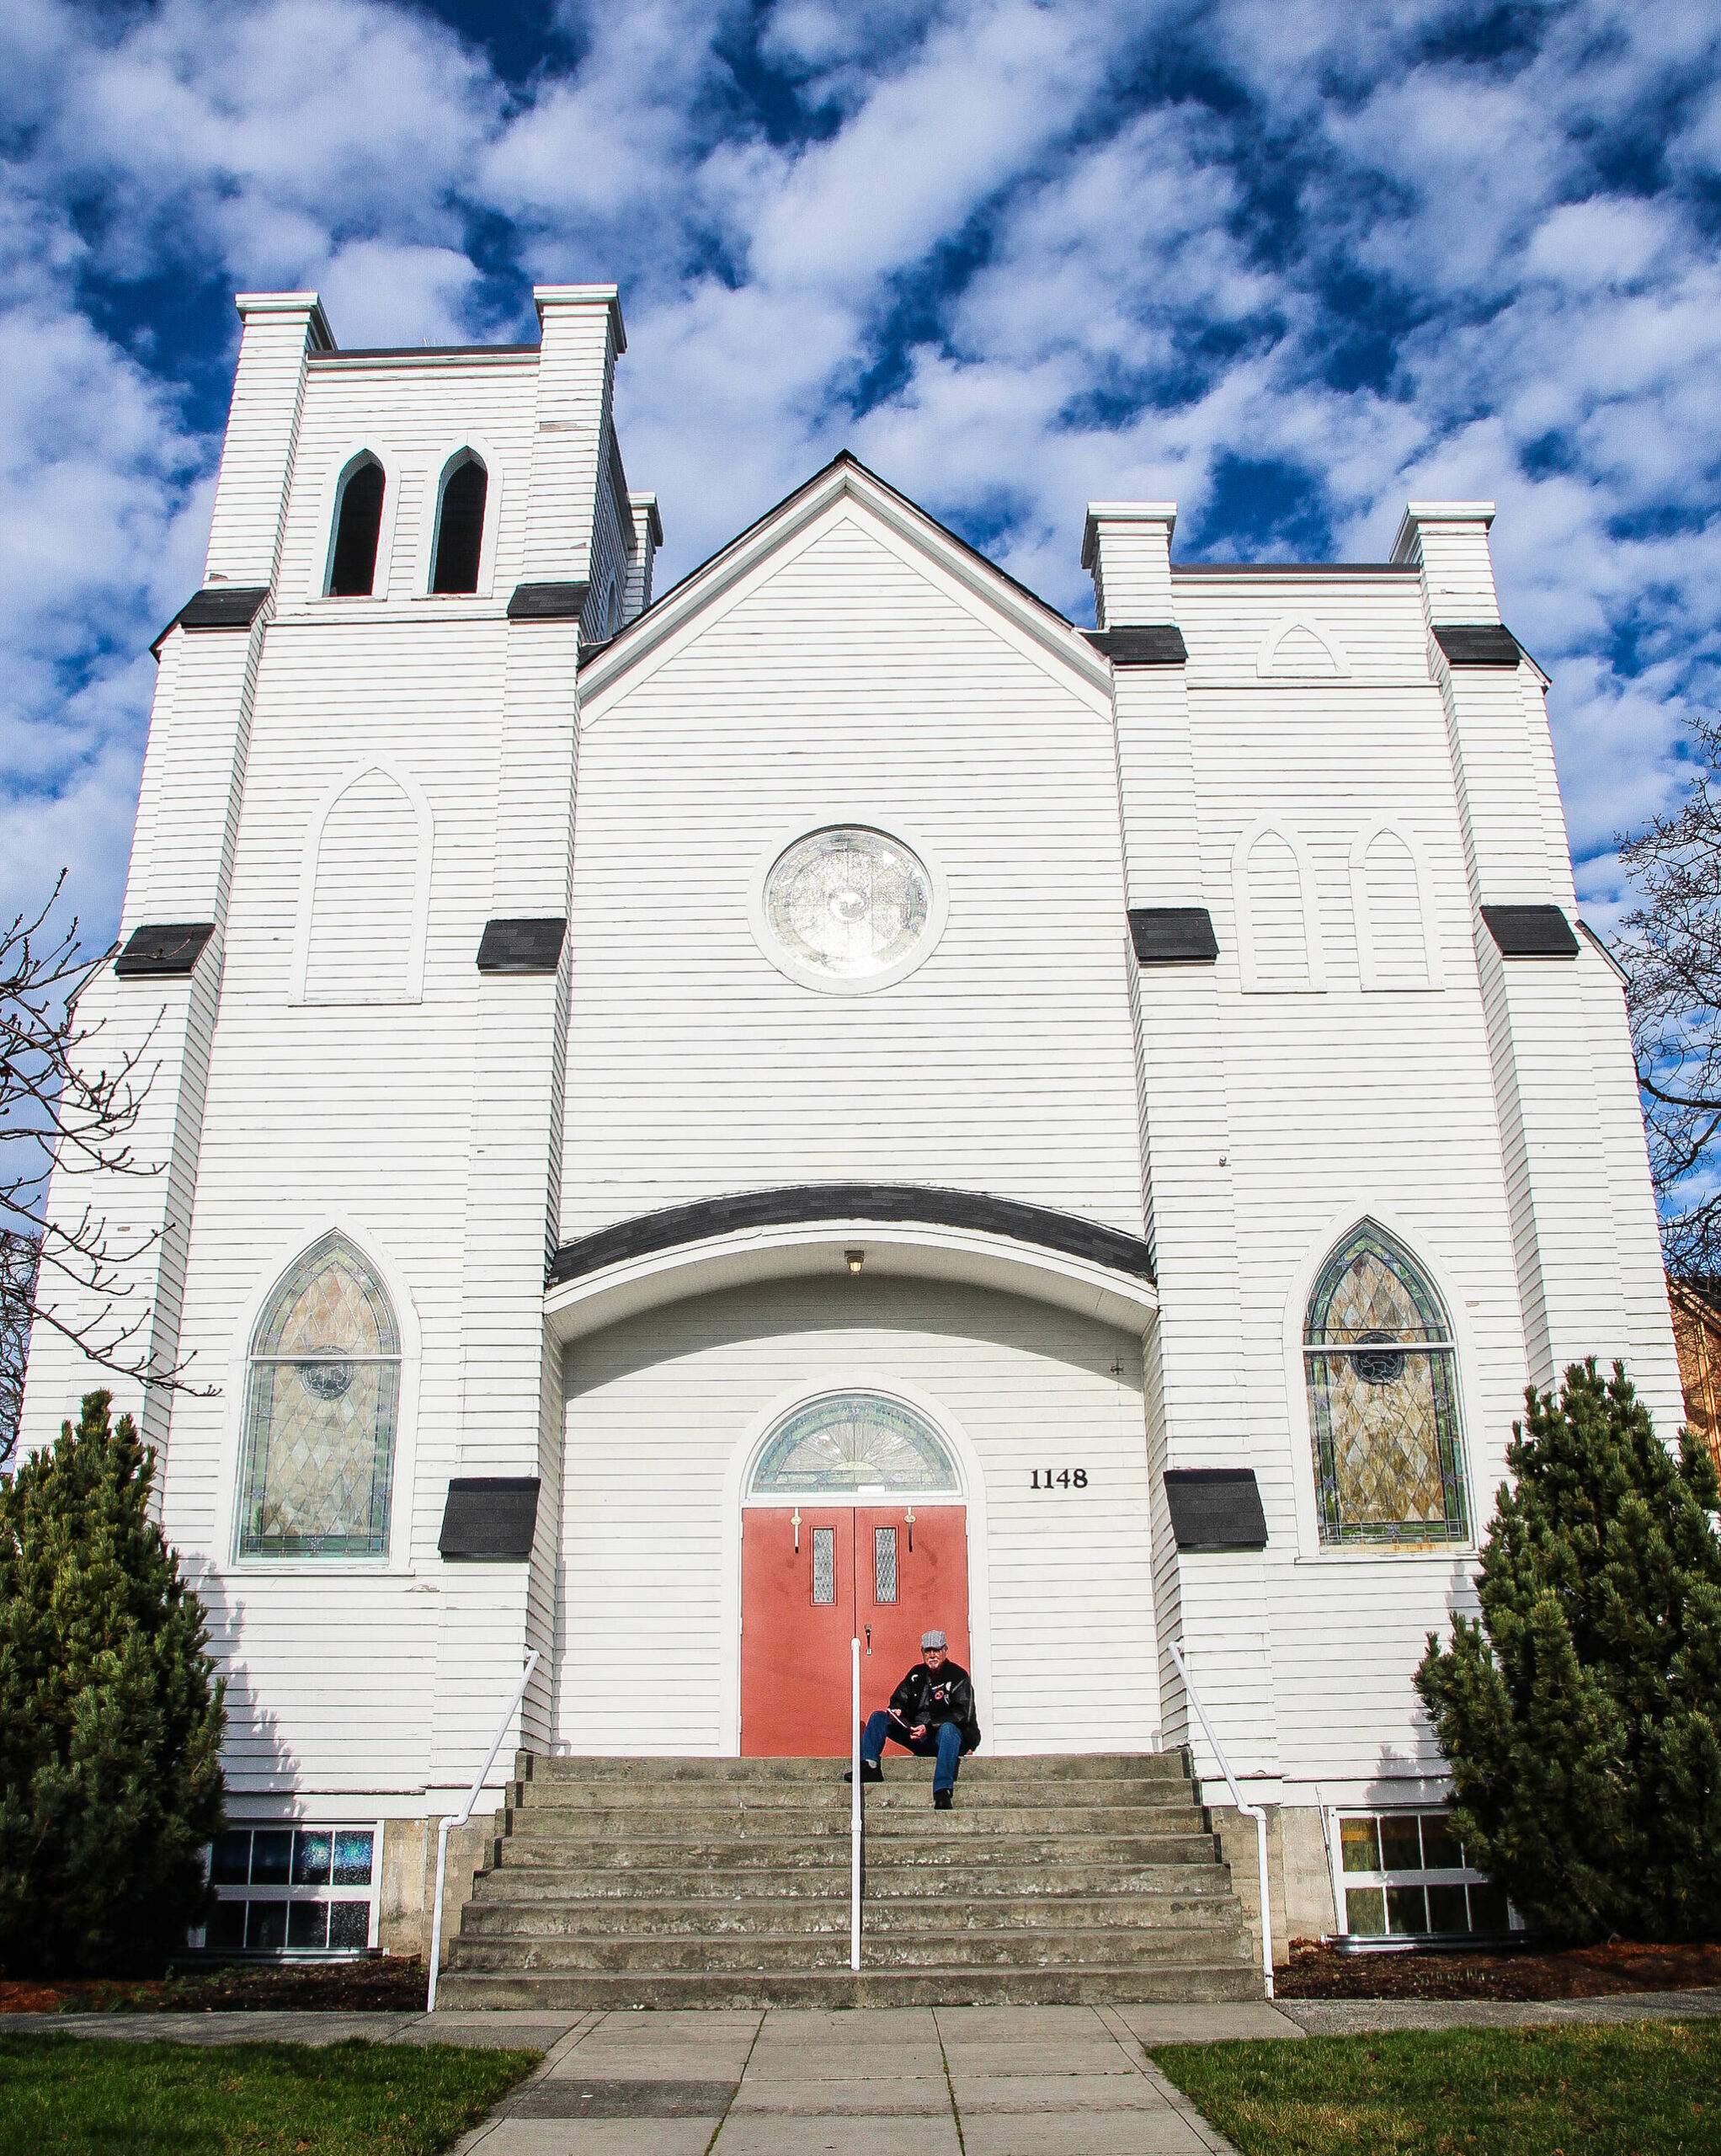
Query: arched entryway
853	1527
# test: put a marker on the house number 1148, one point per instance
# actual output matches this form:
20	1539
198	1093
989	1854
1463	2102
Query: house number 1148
1070	1478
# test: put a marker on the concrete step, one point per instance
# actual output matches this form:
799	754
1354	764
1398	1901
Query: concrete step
1082	1766
765	1822
637	1802
1192	1982
624	1882
802	1916
1119	1947
746	1851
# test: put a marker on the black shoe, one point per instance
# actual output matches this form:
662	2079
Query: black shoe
869	1773
941	1799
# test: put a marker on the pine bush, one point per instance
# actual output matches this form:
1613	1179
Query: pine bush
1581	1716
110	1715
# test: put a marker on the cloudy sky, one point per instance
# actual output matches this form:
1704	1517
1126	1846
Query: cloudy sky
1287	261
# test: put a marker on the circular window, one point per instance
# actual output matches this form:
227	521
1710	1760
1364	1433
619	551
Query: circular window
1378	1359
848	908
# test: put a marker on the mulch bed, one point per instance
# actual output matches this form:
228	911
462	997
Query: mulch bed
1317	1972
391	1983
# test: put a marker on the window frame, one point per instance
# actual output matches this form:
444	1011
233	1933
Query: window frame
328	520
1382	1878
289	1894
1460	1533
391	1556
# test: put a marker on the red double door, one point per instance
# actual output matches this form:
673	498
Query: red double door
882	1575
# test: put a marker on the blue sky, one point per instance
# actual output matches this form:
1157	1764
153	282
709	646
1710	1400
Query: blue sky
1288	262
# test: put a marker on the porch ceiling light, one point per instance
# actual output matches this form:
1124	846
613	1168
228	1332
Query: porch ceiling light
855	1259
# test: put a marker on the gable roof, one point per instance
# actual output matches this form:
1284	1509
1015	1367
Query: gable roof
845	475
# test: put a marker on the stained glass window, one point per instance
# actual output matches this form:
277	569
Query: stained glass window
1383	1399
321	1412
852	1441
848	902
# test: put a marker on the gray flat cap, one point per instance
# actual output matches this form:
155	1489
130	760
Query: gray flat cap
931	1640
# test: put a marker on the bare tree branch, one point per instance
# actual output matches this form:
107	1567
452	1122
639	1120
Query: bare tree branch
1672	949
60	1100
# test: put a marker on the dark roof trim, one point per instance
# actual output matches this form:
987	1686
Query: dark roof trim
848	457
1478	643
491	1517
1293	569
423	351
1173	936
216	606
1215	1508
1530	931
173	946
1160	646
524	946
806	1202
547	602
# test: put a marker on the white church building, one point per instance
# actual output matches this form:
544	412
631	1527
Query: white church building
661	1096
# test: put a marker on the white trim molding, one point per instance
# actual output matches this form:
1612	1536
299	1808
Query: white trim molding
308	869
1367	961
1266	657
1248	966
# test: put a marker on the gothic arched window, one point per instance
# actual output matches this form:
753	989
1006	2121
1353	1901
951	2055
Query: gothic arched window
1383	1399
322	1403
459	526
358	525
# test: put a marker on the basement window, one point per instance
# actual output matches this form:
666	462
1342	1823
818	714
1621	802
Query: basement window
294	1890
1402	1874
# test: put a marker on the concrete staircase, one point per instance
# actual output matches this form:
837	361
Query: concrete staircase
725	1882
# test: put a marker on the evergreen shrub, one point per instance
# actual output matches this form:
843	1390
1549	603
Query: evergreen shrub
1581	1716
111	1717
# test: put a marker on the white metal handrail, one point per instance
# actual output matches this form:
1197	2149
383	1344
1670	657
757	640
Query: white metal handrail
1250	1810
854	1816
459	1818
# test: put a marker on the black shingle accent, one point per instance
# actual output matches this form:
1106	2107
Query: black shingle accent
522	946
1480	644
1530	931
1063	1232
546	602
173	946
1137	647
1215	1508
493	1516
1173	936
216	606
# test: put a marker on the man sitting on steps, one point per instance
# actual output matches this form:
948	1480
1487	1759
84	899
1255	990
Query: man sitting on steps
930	1712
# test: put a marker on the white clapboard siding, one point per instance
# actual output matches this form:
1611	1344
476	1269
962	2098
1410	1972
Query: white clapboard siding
849	682
363	895
657	1407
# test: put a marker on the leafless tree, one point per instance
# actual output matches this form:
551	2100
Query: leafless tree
1671	948
59	1099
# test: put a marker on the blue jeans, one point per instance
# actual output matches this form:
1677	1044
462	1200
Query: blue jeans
943	1742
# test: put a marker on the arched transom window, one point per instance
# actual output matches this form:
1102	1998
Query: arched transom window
1383	1399
849	1444
321	1412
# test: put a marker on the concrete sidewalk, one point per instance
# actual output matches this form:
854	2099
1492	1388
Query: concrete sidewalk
960	2081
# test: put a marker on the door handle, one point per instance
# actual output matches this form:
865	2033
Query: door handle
869	1639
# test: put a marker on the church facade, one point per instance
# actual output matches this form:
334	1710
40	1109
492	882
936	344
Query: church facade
694	1127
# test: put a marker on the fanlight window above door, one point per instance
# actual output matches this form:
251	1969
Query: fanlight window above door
850	1443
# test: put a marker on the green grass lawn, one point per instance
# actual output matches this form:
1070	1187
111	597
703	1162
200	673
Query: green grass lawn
1633	2089
65	2095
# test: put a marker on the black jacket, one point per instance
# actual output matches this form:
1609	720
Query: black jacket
932	1697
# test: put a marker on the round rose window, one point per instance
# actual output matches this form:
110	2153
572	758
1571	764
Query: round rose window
848	905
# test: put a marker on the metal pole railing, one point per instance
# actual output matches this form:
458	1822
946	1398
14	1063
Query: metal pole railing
1250	1810
460	1819
855	1815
